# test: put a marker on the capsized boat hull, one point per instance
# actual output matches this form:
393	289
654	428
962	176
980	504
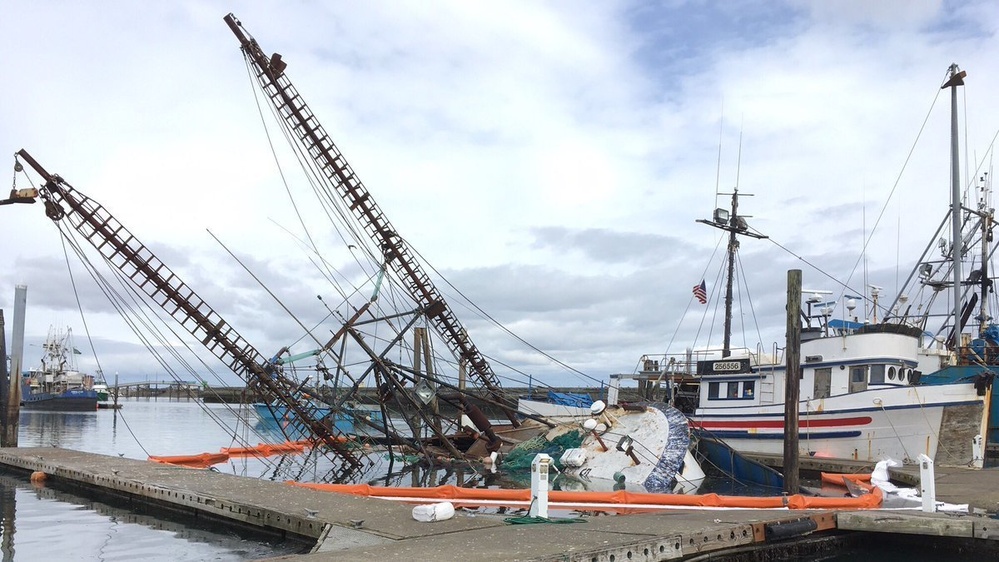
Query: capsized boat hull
647	446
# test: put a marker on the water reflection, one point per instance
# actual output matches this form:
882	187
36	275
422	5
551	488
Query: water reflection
58	429
8	506
47	517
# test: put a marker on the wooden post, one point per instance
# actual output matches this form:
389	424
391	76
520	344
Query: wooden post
792	383
428	368
415	421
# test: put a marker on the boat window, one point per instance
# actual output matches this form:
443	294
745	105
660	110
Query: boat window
733	390
748	389
908	373
891	373
858	379
877	374
823	383
713	390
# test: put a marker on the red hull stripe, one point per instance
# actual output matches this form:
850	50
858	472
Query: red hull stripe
779	424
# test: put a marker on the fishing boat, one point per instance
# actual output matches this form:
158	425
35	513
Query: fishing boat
961	335
57	385
862	393
860	399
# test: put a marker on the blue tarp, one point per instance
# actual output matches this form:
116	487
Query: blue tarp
570	399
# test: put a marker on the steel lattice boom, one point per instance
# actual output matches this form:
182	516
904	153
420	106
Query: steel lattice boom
318	145
123	250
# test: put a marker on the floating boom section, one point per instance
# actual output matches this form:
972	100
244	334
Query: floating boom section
302	122
123	250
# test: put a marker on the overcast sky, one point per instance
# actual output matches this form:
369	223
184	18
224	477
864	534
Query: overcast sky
549	159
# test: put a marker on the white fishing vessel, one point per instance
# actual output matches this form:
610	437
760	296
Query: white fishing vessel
861	394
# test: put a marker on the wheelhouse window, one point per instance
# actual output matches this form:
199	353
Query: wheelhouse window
877	374
733	390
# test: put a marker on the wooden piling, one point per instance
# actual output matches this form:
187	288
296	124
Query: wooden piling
793	383
6	423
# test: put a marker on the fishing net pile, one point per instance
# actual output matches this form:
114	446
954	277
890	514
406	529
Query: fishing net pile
521	456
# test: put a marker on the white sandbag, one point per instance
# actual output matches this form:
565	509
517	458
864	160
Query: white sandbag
434	512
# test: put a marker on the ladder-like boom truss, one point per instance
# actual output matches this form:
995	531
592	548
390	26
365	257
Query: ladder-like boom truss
123	250
317	144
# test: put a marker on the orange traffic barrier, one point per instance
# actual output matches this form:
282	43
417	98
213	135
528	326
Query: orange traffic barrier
606	501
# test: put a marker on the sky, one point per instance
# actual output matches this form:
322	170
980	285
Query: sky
548	160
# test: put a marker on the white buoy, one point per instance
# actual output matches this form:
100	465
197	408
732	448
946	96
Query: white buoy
927	484
539	485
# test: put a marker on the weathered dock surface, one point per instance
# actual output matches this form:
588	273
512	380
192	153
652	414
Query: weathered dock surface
977	488
353	528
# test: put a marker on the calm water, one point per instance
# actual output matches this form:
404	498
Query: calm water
46	524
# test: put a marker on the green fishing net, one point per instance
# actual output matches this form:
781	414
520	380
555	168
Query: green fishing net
521	456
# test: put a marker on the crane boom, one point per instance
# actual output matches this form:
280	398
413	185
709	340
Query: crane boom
122	249
317	144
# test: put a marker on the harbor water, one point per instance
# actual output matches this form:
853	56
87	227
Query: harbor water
41	523
49	523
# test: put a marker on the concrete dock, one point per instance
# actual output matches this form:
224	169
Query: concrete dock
352	528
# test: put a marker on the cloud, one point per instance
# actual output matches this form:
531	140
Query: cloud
548	163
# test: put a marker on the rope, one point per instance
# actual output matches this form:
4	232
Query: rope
528	520
878	402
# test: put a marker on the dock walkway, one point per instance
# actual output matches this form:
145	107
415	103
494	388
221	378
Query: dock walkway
353	528
979	488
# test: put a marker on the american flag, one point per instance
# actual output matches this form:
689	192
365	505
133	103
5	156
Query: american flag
700	291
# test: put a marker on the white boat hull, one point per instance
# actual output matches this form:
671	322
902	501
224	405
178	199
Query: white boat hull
897	423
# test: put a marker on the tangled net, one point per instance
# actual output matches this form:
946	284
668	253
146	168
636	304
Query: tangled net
521	456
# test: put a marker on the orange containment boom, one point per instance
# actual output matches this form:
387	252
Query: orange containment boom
837	478
205	460
620	501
